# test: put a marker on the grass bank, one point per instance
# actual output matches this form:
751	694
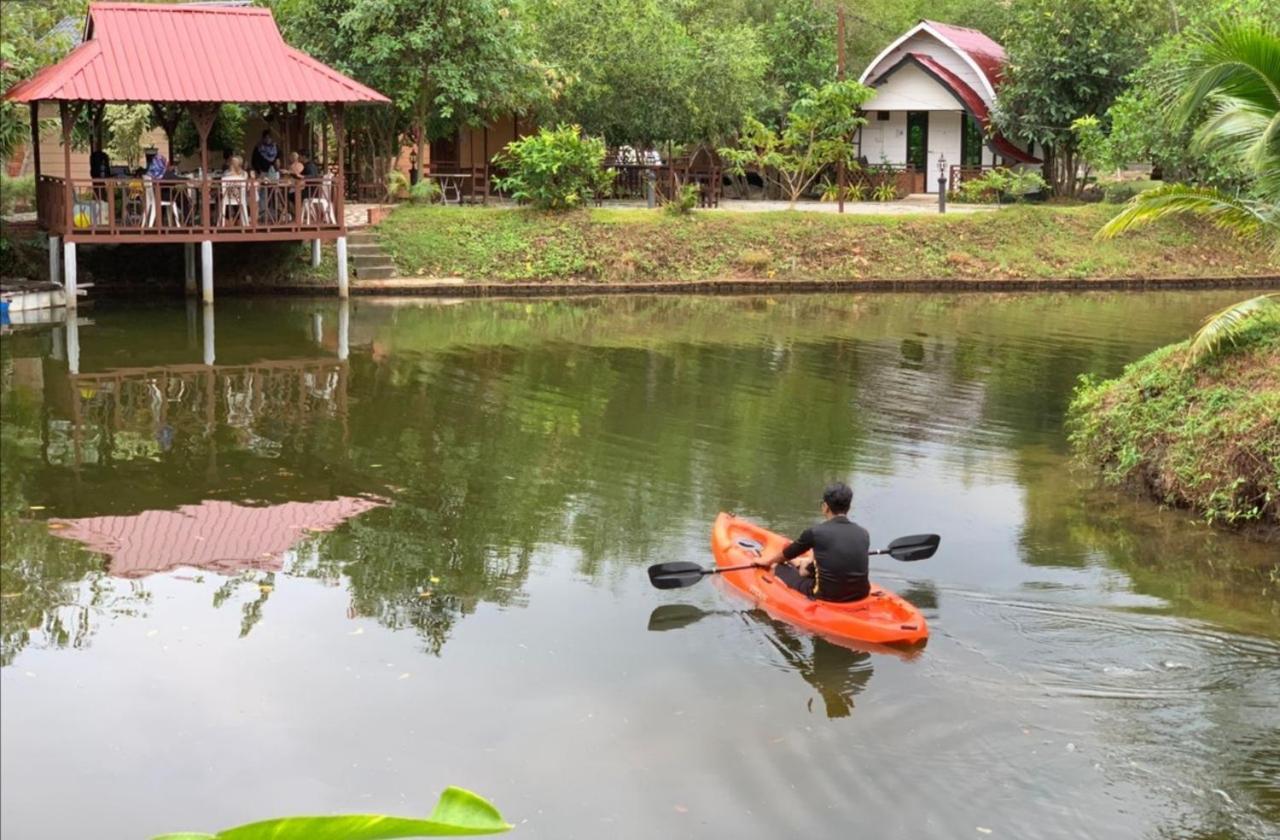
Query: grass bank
608	246
1207	438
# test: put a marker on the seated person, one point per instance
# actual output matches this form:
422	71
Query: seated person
158	166
838	569
295	164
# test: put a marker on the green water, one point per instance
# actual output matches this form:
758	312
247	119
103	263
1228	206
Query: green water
287	557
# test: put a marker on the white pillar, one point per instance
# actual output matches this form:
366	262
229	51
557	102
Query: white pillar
189	267
208	334
206	271
344	328
55	259
343	290
69	271
73	344
315	253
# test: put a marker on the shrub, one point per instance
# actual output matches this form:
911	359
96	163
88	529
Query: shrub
555	169
397	185
885	191
1000	185
17	194
426	191
852	192
685	199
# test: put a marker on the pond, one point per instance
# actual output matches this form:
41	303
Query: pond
291	557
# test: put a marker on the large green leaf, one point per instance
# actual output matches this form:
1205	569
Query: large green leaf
459	813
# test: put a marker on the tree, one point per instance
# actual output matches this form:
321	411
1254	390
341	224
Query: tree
126	124
444	63
818	133
1068	59
27	43
1233	70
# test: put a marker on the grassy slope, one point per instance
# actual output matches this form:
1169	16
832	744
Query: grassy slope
1207	438
644	246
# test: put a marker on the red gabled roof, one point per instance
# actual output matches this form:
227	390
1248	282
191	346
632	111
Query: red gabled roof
972	101
139	52
985	52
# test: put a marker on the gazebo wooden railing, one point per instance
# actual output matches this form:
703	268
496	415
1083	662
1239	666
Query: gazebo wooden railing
135	209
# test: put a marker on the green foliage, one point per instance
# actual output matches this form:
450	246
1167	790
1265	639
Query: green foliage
555	169
885	191
652	71
1233	70
818	133
685	200
227	133
17	192
125	126
25	47
426	191
1206	438
396	185
459	813
830	191
1069	59
1000	185
1226	326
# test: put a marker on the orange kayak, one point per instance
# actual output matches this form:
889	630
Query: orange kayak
881	618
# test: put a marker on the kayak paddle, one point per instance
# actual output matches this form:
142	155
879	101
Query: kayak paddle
680	574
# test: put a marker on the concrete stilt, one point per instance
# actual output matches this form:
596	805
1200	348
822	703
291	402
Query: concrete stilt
344	328
208	334
206	271
69	272
343	289
189	267
73	344
55	259
315	253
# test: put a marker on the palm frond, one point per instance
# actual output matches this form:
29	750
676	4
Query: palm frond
1225	326
1245	218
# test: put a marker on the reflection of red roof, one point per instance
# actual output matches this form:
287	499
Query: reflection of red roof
985	52
140	52
218	536
970	98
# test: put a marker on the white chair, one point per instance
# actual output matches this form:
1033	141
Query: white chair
320	207
167	204
233	193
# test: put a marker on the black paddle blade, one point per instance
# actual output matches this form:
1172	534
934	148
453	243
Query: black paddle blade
675	575
675	616
915	547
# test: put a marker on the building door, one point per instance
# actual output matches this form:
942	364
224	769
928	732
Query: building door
918	148
970	142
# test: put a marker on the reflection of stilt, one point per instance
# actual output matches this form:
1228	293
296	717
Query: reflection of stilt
317	328
73	344
193	321
208	334
344	328
59	344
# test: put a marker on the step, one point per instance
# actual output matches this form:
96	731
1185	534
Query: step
363	248
371	259
381	272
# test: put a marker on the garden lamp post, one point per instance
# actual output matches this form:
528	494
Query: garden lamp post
942	183
413	167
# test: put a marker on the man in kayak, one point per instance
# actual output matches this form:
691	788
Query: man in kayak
838	569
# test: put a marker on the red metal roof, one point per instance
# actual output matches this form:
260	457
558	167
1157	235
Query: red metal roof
985	52
972	101
142	52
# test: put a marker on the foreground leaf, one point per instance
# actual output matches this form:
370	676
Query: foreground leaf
459	813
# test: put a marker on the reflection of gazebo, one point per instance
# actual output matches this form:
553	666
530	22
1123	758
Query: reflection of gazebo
188	58
217	536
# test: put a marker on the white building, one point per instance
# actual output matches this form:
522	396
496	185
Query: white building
935	89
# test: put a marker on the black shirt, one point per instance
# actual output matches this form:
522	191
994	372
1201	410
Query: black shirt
840	553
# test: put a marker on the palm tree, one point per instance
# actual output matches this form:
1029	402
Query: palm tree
1234	70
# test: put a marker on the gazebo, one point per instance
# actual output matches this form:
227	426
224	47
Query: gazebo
190	58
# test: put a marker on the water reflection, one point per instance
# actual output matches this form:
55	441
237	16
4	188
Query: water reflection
486	482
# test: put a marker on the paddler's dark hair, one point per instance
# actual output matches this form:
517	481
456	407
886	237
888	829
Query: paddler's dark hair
838	497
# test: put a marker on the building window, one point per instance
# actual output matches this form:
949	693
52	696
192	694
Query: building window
882	116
